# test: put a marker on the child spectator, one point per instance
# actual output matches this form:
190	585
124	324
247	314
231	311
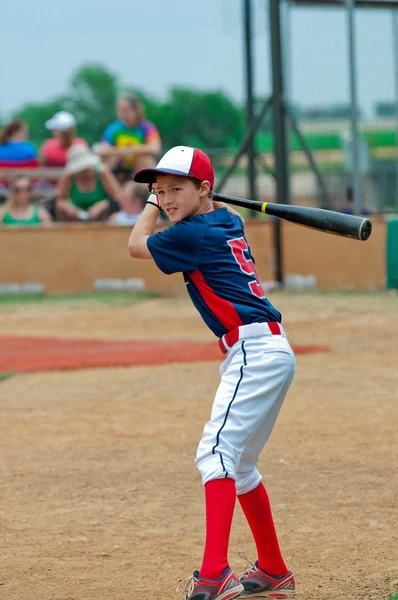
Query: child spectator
86	187
131	141
15	150
132	201
20	210
53	152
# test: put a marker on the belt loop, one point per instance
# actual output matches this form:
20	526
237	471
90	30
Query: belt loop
223	345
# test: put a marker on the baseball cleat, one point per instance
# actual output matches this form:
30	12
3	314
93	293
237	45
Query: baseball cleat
199	588
259	584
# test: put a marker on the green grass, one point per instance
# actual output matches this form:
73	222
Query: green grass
108	298
129	299
4	376
394	597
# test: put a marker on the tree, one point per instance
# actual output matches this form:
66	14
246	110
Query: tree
335	112
92	97
92	100
205	119
386	109
208	119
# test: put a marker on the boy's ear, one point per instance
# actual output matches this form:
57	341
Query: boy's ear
205	188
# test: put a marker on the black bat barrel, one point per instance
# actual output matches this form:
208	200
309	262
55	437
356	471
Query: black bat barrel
329	221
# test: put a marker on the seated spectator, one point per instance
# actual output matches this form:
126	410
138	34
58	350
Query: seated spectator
86	187
53	152
131	141
349	208
132	201
15	150
19	209
122	174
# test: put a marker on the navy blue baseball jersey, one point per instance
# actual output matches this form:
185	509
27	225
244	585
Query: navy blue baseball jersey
218	268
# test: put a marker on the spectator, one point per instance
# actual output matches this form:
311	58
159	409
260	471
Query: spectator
20	208
132	202
131	141
15	150
349	208
122	174
53	152
86	187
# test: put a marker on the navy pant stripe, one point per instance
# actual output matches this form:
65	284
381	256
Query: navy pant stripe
229	408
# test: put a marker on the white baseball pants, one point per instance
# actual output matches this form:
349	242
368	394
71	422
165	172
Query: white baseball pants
255	378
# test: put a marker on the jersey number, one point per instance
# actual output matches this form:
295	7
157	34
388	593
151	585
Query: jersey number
238	248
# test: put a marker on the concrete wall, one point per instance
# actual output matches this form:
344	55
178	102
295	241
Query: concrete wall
68	258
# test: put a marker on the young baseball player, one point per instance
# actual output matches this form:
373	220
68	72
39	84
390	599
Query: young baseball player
207	244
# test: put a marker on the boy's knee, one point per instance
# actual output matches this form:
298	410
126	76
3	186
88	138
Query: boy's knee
215	466
246	482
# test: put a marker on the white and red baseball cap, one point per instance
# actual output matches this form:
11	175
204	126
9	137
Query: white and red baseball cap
183	161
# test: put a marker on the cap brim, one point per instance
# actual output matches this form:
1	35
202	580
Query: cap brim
49	124
149	175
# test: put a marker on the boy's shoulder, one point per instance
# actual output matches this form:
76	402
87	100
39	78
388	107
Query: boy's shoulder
223	219
192	227
220	220
220	215
198	225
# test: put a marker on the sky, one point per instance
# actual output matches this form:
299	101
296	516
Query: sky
155	44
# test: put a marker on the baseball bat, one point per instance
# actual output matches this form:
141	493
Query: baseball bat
321	219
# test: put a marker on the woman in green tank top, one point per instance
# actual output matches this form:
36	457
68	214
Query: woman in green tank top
85	187
19	210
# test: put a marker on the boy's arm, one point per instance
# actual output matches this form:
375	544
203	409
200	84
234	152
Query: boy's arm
144	228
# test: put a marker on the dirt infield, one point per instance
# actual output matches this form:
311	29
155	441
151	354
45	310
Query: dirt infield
30	354
99	494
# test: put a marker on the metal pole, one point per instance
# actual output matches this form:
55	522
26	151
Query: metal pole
251	152
287	65
356	174
326	202
287	47
395	52
255	124
281	148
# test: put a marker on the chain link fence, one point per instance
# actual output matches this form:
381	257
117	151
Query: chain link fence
379	187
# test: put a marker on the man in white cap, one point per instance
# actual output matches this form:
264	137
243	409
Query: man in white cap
53	152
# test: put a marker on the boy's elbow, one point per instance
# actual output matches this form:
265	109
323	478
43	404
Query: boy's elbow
133	250
138	250
137	245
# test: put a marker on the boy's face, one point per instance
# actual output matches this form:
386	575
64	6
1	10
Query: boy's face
180	198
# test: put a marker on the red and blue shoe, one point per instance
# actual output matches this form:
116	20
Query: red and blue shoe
259	584
199	588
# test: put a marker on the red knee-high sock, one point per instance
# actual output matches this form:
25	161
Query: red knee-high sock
220	496
257	509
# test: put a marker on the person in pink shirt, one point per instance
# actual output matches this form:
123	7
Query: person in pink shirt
53	152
